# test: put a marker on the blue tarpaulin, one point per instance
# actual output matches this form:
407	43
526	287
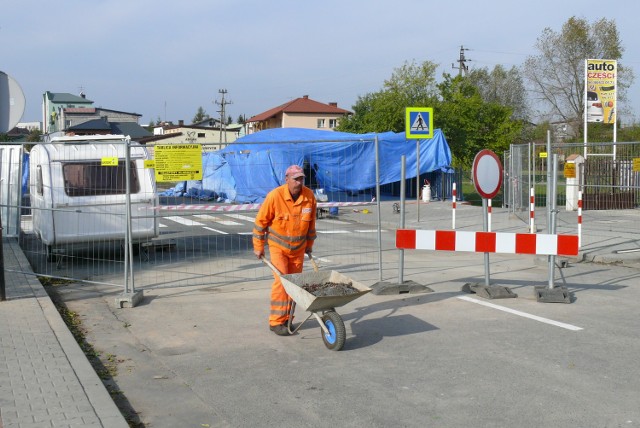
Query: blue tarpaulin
246	170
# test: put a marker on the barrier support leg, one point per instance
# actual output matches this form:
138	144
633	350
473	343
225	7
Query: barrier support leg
402	286
552	295
489	291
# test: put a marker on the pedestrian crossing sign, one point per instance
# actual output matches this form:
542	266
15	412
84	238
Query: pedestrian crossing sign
419	122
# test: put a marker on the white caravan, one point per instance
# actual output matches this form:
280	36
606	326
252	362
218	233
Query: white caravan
78	192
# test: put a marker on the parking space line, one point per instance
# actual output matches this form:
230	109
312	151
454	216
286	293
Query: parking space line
521	314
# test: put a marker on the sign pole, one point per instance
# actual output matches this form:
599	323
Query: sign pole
418	125
487	179
418	180
485	228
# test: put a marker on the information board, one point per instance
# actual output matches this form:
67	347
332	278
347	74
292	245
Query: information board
178	162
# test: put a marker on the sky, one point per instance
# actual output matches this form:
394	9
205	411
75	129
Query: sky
165	59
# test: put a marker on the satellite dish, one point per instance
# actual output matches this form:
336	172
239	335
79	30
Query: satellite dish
12	102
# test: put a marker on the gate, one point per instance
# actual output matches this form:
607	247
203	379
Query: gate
10	189
610	184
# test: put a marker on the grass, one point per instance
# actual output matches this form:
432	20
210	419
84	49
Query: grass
472	197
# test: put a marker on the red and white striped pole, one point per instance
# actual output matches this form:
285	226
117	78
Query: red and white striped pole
579	218
453	212
532	209
488	215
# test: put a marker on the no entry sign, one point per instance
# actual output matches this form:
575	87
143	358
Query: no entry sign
487	174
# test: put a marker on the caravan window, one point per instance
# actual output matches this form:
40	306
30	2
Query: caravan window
91	179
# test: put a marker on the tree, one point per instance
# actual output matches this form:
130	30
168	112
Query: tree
200	115
502	86
229	120
241	119
35	135
411	85
556	73
471	124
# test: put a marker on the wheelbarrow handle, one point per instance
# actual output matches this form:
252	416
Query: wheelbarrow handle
275	270
313	262
268	263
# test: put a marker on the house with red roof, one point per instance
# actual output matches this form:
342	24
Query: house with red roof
299	113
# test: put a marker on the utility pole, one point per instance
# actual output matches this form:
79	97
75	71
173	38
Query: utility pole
223	119
462	67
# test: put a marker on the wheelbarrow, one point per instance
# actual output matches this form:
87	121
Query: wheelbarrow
321	307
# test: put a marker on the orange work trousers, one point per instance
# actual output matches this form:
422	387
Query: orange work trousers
286	262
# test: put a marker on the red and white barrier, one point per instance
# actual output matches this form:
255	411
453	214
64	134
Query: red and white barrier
453	206
487	242
247	207
532	210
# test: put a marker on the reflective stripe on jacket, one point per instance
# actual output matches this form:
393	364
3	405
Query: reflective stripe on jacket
289	225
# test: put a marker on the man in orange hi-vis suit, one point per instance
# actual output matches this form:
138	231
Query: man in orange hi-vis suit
287	220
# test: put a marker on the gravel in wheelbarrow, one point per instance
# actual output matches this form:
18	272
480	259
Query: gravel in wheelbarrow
333	289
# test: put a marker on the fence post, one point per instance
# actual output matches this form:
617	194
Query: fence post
129	297
3	294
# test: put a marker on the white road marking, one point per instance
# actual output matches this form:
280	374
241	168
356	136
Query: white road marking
218	220
215	230
329	220
521	314
332	231
162	225
368	230
183	220
242	217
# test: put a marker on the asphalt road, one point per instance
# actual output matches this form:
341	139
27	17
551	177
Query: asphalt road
203	356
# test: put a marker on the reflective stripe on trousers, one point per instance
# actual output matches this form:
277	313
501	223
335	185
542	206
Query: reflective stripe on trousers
286	262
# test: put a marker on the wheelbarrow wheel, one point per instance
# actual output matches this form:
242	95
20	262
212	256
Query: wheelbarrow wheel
334	340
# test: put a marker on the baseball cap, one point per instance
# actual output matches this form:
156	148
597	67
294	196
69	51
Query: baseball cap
294	171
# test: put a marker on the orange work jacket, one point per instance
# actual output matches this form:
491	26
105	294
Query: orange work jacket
284	223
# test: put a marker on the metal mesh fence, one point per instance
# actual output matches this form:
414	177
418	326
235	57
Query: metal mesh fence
606	177
74	222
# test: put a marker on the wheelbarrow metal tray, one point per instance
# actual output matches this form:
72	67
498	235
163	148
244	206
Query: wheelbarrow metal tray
294	282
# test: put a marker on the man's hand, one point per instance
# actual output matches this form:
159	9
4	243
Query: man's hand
308	251
259	253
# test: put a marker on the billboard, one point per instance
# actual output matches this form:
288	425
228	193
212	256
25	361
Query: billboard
600	90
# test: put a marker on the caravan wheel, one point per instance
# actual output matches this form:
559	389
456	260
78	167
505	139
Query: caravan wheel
135	248
49	251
